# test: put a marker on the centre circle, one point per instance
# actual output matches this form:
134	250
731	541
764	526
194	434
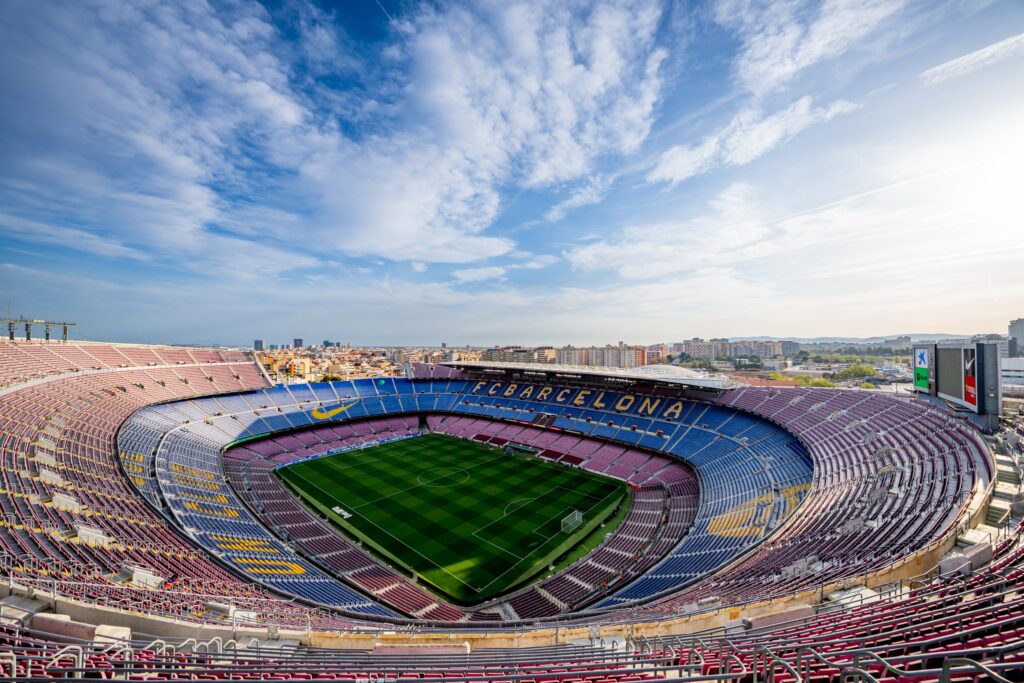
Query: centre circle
443	476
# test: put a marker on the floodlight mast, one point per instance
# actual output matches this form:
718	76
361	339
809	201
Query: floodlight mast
12	324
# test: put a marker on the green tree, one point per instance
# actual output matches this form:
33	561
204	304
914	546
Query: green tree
856	371
812	381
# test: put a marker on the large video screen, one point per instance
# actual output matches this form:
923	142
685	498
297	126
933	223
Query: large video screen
971	378
922	364
951	373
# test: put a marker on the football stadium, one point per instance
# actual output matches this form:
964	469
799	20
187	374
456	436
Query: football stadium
512	341
169	513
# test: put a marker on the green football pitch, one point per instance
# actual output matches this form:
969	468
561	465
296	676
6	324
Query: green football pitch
470	520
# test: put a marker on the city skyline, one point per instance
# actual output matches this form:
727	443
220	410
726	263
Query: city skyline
314	341
285	341
512	172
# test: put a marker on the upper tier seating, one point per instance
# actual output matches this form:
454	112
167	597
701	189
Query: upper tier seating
874	460
873	479
70	519
890	476
23	361
903	638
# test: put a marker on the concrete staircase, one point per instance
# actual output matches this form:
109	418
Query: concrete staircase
1007	486
19	609
983	533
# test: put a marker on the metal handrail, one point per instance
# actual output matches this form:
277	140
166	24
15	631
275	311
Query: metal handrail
948	665
124	649
10	658
871	655
730	657
813	654
978	611
776	662
695	654
765	652
909	584
860	673
73	651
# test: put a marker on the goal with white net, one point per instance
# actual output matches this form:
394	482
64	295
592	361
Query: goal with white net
572	521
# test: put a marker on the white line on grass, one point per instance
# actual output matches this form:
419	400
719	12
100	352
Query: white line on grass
330	497
541	546
590	509
354	455
524	501
415	447
495	545
382	498
530	500
416	486
426	447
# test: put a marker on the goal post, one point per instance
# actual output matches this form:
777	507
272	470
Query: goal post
572	521
512	448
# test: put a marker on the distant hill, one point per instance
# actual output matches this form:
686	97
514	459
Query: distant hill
856	340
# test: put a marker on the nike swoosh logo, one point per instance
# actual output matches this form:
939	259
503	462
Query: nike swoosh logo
321	414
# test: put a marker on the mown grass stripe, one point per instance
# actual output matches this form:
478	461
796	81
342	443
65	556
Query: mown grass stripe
443	509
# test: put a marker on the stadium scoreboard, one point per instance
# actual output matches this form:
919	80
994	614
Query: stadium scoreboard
964	375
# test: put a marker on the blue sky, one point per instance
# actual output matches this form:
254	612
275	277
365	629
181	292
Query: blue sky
513	172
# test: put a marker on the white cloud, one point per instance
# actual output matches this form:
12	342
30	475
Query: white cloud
536	262
754	134
748	136
973	61
64	282
479	274
591	192
42	233
781	39
680	162
134	120
197	140
499	272
260	96
942	209
175	116
655	250
499	94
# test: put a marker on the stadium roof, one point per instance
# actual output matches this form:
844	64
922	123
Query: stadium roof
657	373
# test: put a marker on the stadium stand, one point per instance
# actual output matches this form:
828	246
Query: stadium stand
735	514
190	435
70	519
138	480
933	629
879	463
249	467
